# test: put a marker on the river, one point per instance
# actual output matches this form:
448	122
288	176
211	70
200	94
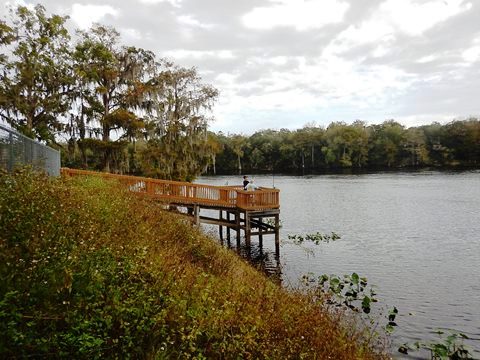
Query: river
415	236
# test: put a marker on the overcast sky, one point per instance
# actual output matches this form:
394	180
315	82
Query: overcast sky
286	63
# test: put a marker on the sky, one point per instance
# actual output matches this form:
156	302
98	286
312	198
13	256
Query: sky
290	63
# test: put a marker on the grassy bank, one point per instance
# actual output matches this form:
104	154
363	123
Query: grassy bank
91	271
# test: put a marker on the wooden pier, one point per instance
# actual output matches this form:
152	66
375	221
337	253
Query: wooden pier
256	213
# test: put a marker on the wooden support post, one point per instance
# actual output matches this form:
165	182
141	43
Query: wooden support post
277	234
237	220
228	227
220	227
196	214
260	235
247	229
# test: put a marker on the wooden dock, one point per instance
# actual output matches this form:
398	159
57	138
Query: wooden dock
256	213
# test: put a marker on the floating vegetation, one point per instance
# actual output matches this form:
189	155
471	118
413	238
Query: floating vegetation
451	347
316	238
351	291
347	290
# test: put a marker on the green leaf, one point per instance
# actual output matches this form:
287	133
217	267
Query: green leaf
440	350
334	281
322	279
355	278
451	339
389	329
366	304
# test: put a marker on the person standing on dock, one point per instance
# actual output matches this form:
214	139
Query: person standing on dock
245	182
251	186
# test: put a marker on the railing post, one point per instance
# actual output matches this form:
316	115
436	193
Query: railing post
224	196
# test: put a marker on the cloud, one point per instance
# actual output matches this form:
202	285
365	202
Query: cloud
313	88
196	54
18	3
300	14
472	54
282	63
391	20
427	59
175	3
86	15
189	20
415	18
131	34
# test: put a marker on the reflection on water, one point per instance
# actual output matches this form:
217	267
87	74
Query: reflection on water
261	258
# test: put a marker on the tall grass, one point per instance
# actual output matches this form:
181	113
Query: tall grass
90	271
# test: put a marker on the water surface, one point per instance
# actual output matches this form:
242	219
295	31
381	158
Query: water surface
416	236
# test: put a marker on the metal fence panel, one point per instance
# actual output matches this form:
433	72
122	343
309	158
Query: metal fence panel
17	150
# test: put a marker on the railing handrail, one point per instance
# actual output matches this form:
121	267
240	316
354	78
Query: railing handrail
260	189
192	193
139	178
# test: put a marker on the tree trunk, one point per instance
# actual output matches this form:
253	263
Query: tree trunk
106	153
303	163
239	165
313	159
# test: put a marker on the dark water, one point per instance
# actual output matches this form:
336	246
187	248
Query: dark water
415	236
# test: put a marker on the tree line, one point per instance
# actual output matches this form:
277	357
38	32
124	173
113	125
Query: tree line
121	109
356	146
109	106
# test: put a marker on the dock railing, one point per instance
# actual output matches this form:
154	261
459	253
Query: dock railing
185	193
259	199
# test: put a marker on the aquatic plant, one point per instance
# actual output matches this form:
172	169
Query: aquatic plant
315	238
449	348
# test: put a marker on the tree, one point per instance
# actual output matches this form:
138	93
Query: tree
463	139
360	143
35	76
439	154
415	147
178	103
238	144
113	83
7	36
263	150
309	140
346	146
214	147
301	143
387	140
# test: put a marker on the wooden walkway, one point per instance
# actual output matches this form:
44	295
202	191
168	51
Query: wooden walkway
238	209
